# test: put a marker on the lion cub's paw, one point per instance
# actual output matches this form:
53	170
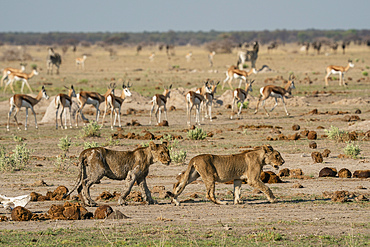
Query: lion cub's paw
273	200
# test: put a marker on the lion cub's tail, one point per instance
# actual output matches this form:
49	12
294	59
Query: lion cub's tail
79	179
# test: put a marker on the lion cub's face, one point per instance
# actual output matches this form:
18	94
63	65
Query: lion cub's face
273	157
160	153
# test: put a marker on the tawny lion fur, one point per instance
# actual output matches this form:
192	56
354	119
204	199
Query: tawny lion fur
222	168
132	166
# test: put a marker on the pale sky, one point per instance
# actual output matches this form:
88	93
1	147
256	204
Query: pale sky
185	15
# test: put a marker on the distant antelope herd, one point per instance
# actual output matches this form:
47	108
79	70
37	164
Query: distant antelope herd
201	98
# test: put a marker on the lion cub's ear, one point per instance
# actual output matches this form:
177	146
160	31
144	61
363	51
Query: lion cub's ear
165	142
152	145
267	148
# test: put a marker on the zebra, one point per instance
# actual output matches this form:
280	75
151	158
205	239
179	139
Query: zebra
53	59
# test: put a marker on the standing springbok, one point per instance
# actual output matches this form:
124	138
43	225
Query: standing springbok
158	101
91	98
21	100
207	88
208	100
194	99
210	58
16	76
52	59
9	70
64	100
114	103
333	69
80	62
275	92
239	96
234	72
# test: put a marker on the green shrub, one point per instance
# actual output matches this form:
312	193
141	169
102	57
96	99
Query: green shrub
335	134
62	163
197	134
352	150
17	160
111	142
245	105
92	144
364	73
245	66
18	139
178	156
145	144
91	130
64	144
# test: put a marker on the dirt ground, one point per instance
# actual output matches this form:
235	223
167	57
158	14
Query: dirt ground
299	211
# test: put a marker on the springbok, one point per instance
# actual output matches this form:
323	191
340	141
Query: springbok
16	76
208	100
114	103
188	56
333	69
91	98
52	59
80	62
21	100
159	100
275	92
194	99
239	96
64	100
210	58
207	88
9	70
234	72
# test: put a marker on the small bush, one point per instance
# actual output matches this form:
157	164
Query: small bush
197	134
17	160
91	130
18	139
145	144
176	156
111	142
92	144
364	73
245	66
64	144
245	105
335	134
352	150
62	164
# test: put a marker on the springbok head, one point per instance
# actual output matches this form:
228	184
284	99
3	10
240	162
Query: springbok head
126	89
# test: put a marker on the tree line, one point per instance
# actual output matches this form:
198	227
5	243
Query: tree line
182	38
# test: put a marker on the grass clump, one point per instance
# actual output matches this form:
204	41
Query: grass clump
91	130
352	150
197	134
92	144
335	134
17	160
365	73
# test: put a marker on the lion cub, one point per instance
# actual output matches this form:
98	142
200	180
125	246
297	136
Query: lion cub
222	168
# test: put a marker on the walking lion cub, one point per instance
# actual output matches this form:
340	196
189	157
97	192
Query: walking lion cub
222	168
